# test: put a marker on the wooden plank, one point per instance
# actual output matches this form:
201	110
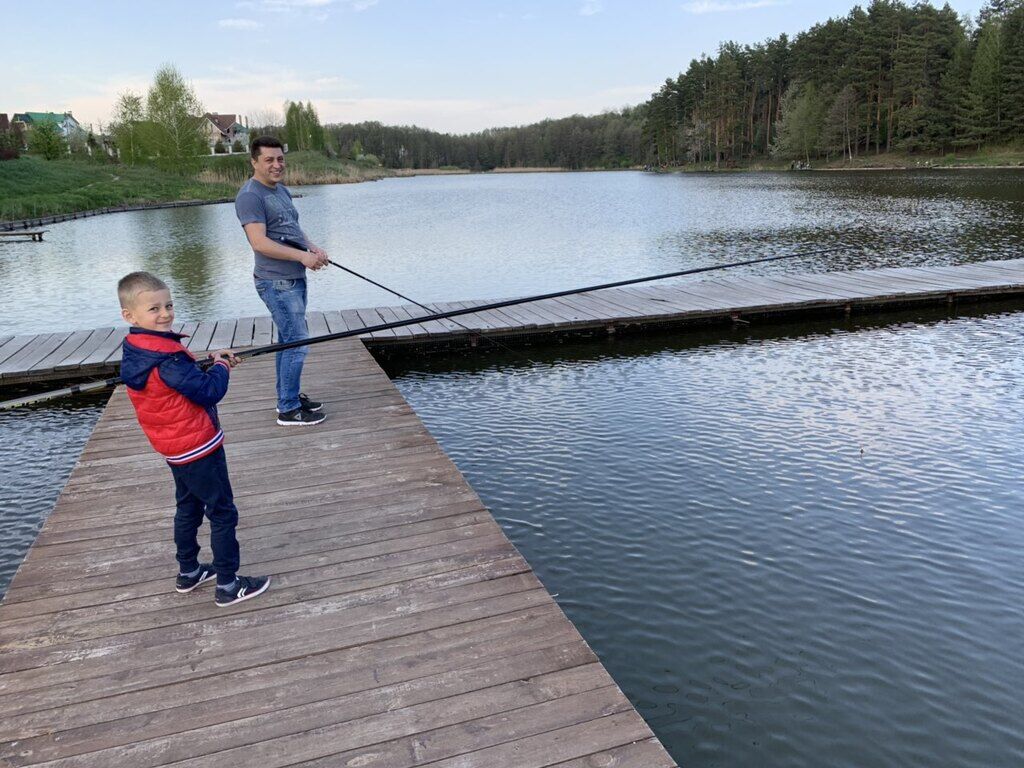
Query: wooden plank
31	353
106	348
354	322
262	332
335	322
245	329
391	315
316	323
486	320
188	328
199	340
67	349
369	318
448	324
15	344
956	277
89	346
223	335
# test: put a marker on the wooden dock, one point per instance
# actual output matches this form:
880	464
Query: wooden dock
97	352
402	627
35	236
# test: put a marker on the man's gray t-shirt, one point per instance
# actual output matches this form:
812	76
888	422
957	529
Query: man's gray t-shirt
271	206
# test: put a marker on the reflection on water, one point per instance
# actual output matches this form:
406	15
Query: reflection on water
39	446
797	546
493	236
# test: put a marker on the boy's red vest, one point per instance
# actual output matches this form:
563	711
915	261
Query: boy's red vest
175	400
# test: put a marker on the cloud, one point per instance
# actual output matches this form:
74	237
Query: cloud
711	6
590	7
239	24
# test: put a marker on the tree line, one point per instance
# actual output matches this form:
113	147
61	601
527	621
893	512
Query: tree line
888	76
885	77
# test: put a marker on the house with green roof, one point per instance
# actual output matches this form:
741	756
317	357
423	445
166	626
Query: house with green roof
65	122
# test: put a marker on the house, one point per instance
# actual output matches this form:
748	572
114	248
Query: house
225	129
5	124
66	123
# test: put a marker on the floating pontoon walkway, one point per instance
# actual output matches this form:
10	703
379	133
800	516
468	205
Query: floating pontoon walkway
97	352
402	627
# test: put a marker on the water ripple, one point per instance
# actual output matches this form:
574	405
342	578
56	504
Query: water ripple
792	548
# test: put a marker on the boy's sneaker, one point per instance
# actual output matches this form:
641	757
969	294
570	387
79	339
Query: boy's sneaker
185	584
243	588
300	418
307	405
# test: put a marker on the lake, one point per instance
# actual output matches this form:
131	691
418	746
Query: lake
791	545
451	238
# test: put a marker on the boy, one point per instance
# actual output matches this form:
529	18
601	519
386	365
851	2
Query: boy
175	401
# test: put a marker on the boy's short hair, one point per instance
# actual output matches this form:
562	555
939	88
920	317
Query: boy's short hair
134	283
261	142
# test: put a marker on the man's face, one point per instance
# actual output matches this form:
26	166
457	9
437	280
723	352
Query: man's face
268	168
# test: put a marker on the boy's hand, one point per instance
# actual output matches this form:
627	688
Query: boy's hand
227	356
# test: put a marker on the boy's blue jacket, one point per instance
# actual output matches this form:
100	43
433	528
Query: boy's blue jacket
174	398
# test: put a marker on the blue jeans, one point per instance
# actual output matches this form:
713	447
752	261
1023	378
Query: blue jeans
286	300
202	488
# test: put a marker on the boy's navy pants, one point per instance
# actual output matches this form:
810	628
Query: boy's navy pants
202	488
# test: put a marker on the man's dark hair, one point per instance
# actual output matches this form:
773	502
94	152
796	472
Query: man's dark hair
261	142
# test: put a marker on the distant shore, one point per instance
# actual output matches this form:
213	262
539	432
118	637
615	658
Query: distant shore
77	189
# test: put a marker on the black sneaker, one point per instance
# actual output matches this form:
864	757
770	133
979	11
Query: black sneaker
307	405
185	584
243	588
299	417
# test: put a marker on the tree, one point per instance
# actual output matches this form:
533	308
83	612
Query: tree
237	146
175	122
45	139
985	91
798	130
126	127
839	127
302	127
1013	72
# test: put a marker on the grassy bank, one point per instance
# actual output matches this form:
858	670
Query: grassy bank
302	168
31	187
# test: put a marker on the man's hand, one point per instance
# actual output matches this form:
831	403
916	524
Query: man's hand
227	356
313	261
322	259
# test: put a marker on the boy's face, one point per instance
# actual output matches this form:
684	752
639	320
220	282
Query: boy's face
151	310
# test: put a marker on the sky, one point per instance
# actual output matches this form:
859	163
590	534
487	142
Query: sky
450	65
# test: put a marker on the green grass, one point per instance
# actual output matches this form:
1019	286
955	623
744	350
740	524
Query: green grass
300	168
31	187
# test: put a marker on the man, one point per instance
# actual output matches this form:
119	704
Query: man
264	208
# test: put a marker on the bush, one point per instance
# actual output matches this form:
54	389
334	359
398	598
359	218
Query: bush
237	146
9	153
45	140
219	148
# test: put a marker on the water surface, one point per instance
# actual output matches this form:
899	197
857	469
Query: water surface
447	238
799	546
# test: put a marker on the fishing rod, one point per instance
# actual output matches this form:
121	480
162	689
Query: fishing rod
428	310
281	346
